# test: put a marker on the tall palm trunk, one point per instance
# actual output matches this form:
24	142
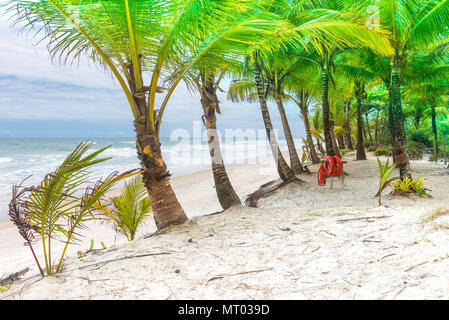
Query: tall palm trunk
285	173
348	125
435	133
341	142
360	147
368	128
326	115
166	207
387	82
334	139
294	158
444	147
223	187
320	147
376	129
399	139
305	116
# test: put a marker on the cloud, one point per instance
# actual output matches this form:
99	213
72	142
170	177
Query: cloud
31	87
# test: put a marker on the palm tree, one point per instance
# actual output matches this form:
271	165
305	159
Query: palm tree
206	84
133	38
129	210
348	18
414	24
244	89
426	75
302	99
359	89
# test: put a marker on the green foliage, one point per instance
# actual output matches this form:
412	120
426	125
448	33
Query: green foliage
408	185
383	151
61	205
420	138
413	152
345	151
128	210
385	172
372	148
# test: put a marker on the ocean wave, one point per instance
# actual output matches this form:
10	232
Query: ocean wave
5	159
120	152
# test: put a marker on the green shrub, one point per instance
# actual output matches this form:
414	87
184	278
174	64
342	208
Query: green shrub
129	210
383	151
372	148
60	206
407	185
421	138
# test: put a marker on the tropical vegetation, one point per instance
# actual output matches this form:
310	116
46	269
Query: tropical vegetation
358	80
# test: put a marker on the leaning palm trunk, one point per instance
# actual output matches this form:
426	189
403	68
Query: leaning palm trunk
305	117
165	205
399	139
327	127
223	187
435	133
294	158
348	125
360	153
320	147
285	173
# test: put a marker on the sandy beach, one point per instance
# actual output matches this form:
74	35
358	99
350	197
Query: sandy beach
302	242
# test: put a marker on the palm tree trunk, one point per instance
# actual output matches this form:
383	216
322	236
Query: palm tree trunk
285	173
376	129
390	113
444	148
166	207
320	147
348	125
399	141
435	133
360	147
294	158
326	115
223	187
334	139
305	116
341	142
368	128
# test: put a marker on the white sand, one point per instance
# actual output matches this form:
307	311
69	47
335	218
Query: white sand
298	244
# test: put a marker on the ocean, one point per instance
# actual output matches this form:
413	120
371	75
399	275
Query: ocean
34	157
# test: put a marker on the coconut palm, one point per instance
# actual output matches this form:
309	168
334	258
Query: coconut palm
258	90
136	40
206	82
414	25
128	210
348	15
426	75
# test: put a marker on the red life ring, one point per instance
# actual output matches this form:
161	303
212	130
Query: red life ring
329	166
321	176
338	167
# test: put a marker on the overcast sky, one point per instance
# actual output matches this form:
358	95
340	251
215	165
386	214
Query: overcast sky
41	99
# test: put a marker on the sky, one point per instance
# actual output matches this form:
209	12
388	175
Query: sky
39	98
